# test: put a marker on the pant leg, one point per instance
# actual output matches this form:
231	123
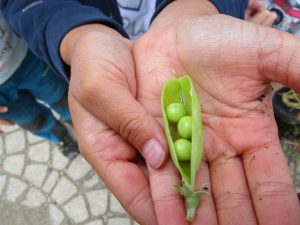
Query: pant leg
33	116
53	90
46	86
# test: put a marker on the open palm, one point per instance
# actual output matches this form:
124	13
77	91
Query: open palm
232	64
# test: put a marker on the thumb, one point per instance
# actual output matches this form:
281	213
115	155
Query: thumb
280	58
116	106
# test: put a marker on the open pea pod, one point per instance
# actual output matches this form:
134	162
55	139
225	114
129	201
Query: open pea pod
181	90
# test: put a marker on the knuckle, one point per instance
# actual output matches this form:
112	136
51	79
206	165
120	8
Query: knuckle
87	92
167	197
271	189
231	200
138	200
131	124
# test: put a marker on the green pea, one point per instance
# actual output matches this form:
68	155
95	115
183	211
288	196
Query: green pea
185	127
175	111
183	148
180	127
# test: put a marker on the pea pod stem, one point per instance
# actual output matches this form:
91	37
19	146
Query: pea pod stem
192	198
181	90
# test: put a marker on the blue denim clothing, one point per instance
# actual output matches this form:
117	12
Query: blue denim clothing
34	80
51	20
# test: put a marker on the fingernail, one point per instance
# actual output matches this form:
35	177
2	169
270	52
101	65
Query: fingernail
153	153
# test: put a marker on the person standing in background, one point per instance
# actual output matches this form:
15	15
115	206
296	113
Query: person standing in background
29	90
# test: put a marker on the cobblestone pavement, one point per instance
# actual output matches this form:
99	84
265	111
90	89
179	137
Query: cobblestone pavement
39	186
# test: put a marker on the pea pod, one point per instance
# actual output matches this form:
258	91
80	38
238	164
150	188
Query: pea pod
181	90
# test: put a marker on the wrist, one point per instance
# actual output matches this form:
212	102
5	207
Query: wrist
185	8
74	37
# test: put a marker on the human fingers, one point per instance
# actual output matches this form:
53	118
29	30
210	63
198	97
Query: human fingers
103	81
228	182
269	21
271	187
168	203
265	166
263	17
206	212
279	59
256	185
112	158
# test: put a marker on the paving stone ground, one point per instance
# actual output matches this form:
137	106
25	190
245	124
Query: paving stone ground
39	186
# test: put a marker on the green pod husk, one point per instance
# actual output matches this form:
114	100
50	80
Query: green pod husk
181	90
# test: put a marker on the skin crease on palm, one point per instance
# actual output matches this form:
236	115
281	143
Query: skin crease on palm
231	63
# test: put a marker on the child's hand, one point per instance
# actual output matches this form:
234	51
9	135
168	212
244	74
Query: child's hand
262	16
112	127
253	7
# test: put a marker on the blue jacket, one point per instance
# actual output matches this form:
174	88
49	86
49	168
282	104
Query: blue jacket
43	24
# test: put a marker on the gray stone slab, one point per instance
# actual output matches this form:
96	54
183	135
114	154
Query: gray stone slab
34	198
63	191
15	189
1	146
91	181
97	200
16	214
8	129
59	161
2	183
39	152
36	174
118	221
50	181
56	215
76	209
14	164
15	142
115	205
78	168
95	222
33	139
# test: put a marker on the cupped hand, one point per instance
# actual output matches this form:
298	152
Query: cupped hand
232	63
112	128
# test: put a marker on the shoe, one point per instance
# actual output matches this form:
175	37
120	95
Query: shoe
286	104
68	147
70	128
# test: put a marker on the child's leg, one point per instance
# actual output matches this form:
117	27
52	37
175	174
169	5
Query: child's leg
43	84
32	116
53	90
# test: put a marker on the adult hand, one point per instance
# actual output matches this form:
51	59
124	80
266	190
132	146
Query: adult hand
111	126
232	63
5	122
